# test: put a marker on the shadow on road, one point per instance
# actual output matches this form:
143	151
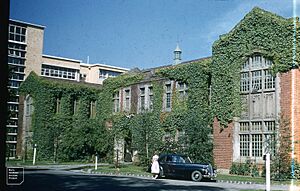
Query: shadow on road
54	181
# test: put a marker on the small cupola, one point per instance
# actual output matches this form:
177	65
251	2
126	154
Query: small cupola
177	55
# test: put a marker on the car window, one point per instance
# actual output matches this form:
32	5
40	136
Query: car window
174	159
187	160
181	160
163	159
169	159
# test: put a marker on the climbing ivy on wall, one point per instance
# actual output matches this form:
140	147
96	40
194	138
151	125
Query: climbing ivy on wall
68	136
259	32
62	135
193	115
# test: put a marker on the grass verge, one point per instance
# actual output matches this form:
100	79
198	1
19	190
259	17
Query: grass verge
123	169
138	170
257	180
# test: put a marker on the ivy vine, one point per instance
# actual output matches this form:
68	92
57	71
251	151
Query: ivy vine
259	32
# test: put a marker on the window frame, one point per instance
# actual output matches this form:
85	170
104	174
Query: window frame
258	126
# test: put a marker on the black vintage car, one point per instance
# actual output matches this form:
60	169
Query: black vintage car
180	166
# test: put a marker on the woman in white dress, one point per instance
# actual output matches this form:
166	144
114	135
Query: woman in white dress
155	167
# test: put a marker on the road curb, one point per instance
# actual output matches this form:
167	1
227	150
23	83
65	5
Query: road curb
150	176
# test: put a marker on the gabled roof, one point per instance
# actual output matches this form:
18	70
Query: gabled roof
256	11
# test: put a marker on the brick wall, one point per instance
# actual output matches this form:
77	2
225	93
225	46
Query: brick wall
286	104
297	116
223	145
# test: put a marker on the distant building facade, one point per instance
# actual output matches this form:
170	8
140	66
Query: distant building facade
25	54
264	97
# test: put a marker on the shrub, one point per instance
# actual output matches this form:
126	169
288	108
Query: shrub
246	169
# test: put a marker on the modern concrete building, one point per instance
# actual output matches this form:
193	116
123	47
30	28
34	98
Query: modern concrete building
25	55
97	73
25	47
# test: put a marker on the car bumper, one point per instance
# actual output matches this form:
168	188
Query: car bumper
211	176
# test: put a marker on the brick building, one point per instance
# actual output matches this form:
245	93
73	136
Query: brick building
266	98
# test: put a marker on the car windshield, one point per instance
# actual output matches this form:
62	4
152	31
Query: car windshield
187	159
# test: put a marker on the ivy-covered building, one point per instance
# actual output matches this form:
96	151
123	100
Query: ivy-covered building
255	89
234	106
25	54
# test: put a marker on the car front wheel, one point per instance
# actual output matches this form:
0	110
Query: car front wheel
196	176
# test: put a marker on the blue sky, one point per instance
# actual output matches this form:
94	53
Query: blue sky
136	33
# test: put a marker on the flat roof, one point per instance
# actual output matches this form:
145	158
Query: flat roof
61	58
61	65
104	65
27	23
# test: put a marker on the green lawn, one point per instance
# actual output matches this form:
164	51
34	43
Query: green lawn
124	169
259	180
137	170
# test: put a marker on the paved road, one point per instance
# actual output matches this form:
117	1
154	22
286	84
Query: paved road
56	180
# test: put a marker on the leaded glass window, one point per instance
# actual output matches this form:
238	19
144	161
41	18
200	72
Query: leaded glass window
257	124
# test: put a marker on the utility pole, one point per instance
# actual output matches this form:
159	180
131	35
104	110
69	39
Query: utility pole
293	92
268	176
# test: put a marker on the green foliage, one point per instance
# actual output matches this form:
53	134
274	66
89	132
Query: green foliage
68	136
146	136
62	135
281	161
259	32
192	115
247	169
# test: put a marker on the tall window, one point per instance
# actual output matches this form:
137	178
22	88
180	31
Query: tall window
150	94
257	90
168	96
93	109
75	105
244	145
256	80
29	106
58	105
182	90
145	102
269	80
116	102
142	99
245	83
127	100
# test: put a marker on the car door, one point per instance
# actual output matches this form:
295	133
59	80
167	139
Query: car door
163	162
177	166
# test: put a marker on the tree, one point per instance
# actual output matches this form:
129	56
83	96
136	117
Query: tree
146	135
281	162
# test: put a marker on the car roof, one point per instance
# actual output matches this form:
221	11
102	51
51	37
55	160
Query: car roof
162	155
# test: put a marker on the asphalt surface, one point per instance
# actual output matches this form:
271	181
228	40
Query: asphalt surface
56	180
